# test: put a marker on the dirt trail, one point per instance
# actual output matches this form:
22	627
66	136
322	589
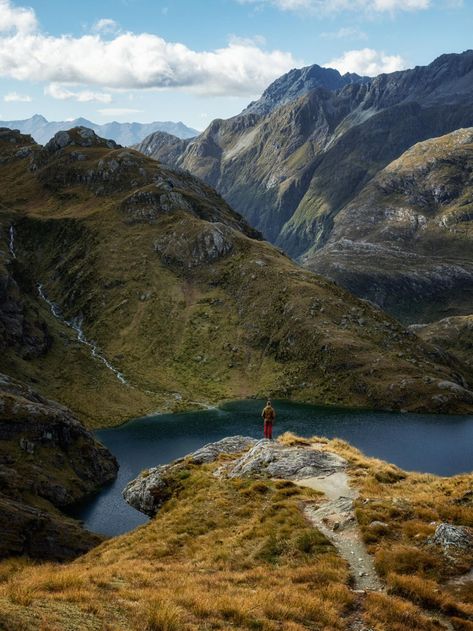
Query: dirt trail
336	520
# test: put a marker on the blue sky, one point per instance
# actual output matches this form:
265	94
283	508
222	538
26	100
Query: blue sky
195	60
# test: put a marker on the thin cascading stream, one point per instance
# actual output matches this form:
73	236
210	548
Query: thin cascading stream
76	325
11	242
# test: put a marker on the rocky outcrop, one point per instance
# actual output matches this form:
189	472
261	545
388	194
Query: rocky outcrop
267	459
261	459
48	460
452	537
148	492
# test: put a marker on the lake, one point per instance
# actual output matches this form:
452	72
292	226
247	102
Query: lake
417	442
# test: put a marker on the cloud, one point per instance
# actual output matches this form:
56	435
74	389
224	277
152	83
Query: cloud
16	18
57	91
346	32
106	25
12	97
118	111
137	61
367	62
335	6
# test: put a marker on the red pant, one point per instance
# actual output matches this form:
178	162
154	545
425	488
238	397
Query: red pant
268	429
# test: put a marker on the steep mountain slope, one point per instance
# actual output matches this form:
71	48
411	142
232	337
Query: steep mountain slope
454	335
406	241
291	171
43	130
48	460
143	290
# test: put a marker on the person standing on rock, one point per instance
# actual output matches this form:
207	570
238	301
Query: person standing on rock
268	414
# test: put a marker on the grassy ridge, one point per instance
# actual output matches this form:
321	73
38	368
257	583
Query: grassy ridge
238	554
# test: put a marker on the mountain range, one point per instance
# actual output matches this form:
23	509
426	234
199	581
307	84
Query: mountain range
125	134
303	155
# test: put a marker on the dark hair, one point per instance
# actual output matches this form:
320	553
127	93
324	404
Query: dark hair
268	402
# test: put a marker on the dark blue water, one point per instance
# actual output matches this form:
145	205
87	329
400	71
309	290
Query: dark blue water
429	443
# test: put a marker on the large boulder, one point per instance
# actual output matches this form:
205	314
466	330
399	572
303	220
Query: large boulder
449	536
267	459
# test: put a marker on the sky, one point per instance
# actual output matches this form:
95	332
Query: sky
196	60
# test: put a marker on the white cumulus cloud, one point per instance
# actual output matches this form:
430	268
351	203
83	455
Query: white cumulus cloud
16	18
12	97
135	61
367	61
105	25
62	93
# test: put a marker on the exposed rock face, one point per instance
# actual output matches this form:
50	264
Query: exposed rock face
290	169
48	460
148	492
449	536
178	247
297	83
269	459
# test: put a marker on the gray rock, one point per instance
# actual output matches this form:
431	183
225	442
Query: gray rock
377	524
449	536
150	490
272	460
229	445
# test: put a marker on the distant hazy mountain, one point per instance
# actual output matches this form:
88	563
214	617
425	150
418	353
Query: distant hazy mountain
126	134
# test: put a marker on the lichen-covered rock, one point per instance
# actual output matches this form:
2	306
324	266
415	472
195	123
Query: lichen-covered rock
148	492
267	459
208	244
449	536
261	459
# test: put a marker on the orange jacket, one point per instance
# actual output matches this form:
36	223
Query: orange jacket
268	414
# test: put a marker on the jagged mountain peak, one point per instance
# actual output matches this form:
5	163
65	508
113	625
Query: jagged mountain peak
298	82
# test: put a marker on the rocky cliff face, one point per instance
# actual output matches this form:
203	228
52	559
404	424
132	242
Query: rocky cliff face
297	83
155	294
405	242
290	169
48	461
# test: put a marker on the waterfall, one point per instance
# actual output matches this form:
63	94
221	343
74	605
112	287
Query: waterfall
11	243
76	325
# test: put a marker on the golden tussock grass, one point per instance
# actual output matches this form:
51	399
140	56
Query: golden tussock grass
238	554
221	554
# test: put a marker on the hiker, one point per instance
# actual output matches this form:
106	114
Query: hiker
268	414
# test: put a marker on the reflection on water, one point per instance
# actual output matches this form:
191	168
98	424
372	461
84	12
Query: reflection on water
430	443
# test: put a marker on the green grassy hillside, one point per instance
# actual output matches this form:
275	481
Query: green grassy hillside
181	297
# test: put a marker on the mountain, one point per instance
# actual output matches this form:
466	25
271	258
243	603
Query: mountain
406	240
126	134
291	171
130	287
298	82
